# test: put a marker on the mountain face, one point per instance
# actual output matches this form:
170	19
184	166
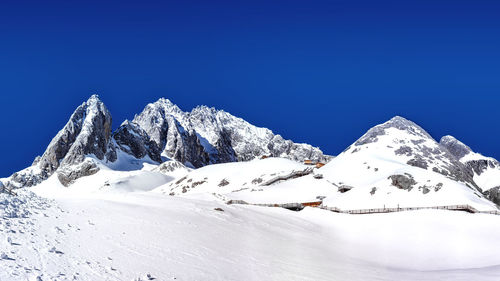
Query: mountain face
197	138
398	163
395	164
208	136
88	132
486	170
418	148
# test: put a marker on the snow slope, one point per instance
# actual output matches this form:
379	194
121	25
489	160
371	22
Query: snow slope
230	177
144	235
394	164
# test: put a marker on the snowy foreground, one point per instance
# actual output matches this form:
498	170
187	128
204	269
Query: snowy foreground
150	236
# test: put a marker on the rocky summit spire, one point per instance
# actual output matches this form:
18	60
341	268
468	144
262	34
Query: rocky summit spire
87	132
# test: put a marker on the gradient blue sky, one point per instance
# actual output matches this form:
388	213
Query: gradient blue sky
321	72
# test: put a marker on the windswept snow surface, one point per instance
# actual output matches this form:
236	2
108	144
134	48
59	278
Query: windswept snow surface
231	177
144	235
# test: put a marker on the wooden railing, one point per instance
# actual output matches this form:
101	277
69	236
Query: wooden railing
466	208
300	206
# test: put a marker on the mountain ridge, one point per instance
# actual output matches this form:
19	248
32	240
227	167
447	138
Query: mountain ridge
160	132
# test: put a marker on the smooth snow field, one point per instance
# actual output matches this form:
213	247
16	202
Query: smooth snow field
143	235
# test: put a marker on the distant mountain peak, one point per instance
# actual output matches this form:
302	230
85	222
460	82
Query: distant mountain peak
455	147
166	106
93	99
410	144
396	122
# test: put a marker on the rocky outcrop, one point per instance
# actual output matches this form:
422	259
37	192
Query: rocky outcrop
68	174
405	182
485	170
455	147
477	162
171	166
493	194
133	140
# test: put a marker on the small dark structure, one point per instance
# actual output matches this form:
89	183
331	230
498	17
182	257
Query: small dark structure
241	202
345	188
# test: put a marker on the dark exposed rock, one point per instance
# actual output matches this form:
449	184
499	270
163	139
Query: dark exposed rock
181	180
481	165
405	182
404	150
69	174
424	189
223	182
455	147
493	194
418	162
196	183
133	140
417	142
257	181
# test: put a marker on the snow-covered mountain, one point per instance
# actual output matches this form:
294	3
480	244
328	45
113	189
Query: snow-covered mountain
398	163
161	132
207	136
394	164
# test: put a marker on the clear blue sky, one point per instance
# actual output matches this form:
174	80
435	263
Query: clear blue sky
321	72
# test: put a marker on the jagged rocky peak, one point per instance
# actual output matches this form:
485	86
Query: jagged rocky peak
206	136
161	131
455	147
87	132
